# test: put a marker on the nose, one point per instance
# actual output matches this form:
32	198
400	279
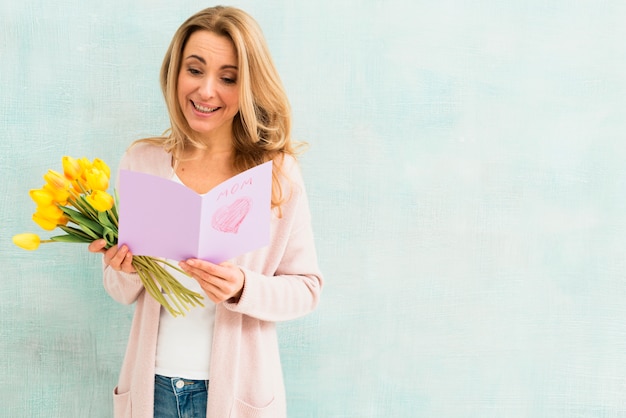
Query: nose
208	87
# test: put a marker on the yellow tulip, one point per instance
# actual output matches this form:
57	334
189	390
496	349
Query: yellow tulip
102	166
59	196
41	197
45	223
85	165
50	211
71	168
100	200
77	187
50	216
56	181
97	179
27	241
73	192
58	186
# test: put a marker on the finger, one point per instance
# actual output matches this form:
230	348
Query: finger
215	273
191	269
116	257
210	284
220	289
215	293
127	263
109	254
196	265
97	246
211	291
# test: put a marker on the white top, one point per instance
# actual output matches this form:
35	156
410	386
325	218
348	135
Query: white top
184	343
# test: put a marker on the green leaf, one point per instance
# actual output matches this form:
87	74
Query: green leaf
110	235
104	220
112	217
84	208
89	232
70	238
84	222
71	213
117	202
74	231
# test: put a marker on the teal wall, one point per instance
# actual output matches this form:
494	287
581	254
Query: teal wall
467	180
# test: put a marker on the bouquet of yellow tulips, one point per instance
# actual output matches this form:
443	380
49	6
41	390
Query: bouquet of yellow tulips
76	201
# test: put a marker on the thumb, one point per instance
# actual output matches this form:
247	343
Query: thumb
97	246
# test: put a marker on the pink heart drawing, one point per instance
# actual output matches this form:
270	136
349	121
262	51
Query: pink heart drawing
228	218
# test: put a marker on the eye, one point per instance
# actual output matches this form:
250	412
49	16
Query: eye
193	71
228	80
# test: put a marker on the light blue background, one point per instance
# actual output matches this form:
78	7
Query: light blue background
466	176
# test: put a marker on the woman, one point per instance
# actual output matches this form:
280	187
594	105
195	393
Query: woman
228	113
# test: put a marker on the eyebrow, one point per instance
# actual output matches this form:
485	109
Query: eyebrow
203	61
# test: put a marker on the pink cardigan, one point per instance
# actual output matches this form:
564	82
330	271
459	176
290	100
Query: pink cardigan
282	282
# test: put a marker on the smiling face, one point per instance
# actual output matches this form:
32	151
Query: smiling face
208	91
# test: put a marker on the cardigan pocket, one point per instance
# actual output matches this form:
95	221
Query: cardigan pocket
241	409
121	404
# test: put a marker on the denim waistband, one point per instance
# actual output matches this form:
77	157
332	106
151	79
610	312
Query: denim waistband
180	385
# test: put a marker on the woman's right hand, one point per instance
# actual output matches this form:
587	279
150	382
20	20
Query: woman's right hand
119	259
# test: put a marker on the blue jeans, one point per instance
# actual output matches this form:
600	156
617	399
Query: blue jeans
180	398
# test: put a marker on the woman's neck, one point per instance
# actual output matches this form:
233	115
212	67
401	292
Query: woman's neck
202	169
215	147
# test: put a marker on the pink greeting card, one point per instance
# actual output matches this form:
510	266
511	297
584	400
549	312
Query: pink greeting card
164	218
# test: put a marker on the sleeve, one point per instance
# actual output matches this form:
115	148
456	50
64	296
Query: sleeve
122	287
294	289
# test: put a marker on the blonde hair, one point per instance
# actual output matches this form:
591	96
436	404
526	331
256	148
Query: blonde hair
262	127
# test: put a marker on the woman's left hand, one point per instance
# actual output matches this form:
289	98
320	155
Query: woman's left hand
220	282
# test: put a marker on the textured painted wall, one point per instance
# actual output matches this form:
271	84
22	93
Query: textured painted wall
466	177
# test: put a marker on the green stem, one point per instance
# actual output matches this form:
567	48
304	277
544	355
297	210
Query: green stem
113	218
164	287
143	269
83	208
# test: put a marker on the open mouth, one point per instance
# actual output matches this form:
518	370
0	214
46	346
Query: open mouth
203	109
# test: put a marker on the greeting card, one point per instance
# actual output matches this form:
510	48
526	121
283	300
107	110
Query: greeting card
164	218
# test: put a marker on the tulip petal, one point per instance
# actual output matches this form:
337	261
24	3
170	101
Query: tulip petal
45	223
102	166
42	197
71	168
100	200
50	211
56	180
97	179
27	241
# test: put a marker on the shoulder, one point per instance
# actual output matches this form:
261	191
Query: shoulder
147	157
292	186
288	169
